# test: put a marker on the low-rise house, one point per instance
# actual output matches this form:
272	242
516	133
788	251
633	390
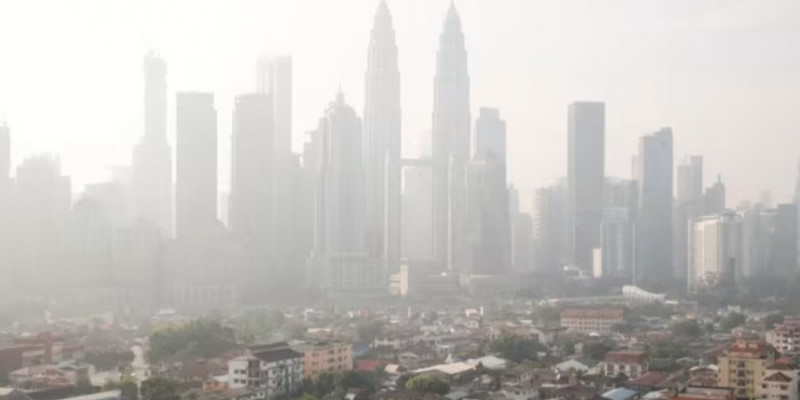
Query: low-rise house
272	369
780	381
591	320
704	393
785	336
320	357
631	363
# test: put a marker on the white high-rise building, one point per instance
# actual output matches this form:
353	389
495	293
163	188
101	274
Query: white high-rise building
715	251
382	142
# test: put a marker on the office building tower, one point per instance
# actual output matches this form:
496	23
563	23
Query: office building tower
5	152
6	204
252	173
654	225
382	142
522	251
196	165
487	228
585	180
689	204
44	199
344	266
550	228
715	251
417	214
274	77
152	156
618	230
451	142
714	198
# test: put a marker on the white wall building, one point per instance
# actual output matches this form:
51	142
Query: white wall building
274	370
715	250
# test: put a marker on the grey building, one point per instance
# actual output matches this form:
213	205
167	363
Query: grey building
654	225
451	142
487	228
585	180
196	165
342	260
382	142
152	156
689	204
549	219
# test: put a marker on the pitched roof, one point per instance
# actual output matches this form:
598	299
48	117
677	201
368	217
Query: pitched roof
778	377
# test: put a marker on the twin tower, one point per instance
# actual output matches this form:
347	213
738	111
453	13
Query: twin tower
354	256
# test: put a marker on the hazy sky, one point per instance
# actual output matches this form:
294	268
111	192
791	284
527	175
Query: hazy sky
724	74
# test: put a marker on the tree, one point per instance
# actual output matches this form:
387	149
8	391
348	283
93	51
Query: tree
771	320
732	320
667	349
159	388
517	349
197	339
688	329
596	350
369	330
428	384
84	386
357	379
127	386
110	360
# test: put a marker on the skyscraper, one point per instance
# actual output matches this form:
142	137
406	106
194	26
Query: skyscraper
274	77
382	140
654	225
251	200
417	213
715	197
689	204
487	227
44	197
152	157
5	153
715	251
196	165
585	180
549	228
340	245
451	141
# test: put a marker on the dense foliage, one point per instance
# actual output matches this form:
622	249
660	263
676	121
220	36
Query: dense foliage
428	384
159	388
517	349
201	339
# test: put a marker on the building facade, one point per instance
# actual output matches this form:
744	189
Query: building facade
653	170
715	251
585	181
591	320
321	357
743	366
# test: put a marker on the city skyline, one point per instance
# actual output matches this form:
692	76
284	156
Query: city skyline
658	90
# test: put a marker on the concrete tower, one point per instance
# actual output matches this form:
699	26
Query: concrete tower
451	141
152	157
382	138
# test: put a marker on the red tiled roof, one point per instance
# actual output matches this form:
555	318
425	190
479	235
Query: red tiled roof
626	356
366	364
650	379
747	346
778	377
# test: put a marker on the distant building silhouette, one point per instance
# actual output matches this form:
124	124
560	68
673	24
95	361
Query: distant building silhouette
342	263
654	225
152	156
196	163
549	228
451	142
715	251
382	142
585	180
689	204
487	225
714	198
